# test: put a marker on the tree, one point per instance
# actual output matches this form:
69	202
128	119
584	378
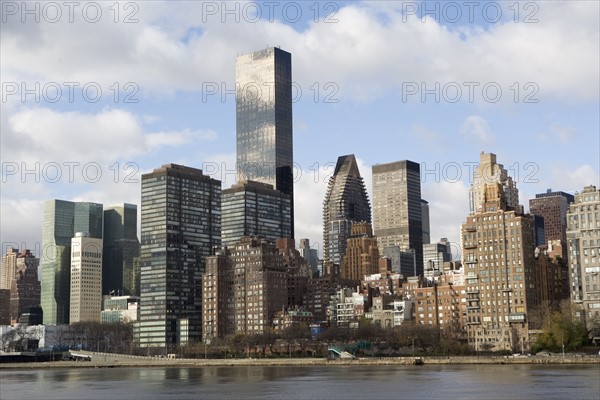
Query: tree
562	330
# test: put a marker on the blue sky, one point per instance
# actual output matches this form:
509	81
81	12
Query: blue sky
377	79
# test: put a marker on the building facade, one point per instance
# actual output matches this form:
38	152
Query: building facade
310	255
61	220
362	254
86	278
425	222
346	202
255	209
583	237
264	138
218	313
498	250
553	207
398	210
487	172
25	288
121	248
181	225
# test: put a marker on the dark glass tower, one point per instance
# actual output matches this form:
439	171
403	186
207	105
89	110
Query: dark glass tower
397	210
181	225
264	119
346	202
121	248
61	220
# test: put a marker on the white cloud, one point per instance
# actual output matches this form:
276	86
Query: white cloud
476	127
373	48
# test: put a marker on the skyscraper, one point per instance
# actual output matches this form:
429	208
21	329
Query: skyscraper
86	278
264	144
25	287
310	255
425	219
489	172
583	236
181	225
346	202
362	255
397	209
498	251
255	209
61	220
553	207
121	248
9	267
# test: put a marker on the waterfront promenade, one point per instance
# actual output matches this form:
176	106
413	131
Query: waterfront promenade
110	360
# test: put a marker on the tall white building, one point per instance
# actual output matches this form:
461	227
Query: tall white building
86	278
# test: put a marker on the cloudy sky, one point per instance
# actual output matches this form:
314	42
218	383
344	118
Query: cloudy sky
96	93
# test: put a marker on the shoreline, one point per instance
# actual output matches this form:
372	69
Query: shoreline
120	361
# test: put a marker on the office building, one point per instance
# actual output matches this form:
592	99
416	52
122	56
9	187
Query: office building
25	288
362	254
62	219
434	257
583	237
9	266
264	139
553	208
121	248
397	209
310	255
181	225
425	221
86	278
120	309
255	209
346	202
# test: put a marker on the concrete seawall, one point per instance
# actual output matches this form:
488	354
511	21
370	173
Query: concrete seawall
102	360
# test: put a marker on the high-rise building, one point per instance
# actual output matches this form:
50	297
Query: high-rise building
489	172
181	225
298	272
86	278
4	306
255	209
264	144
346	202
260	285
553	207
61	220
425	219
9	266
25	288
121	248
397	209
435	255
310	255
498	253
218	312
583	236
362	254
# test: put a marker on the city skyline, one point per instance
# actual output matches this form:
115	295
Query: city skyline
177	119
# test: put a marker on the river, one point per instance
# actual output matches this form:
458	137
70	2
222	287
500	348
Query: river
306	382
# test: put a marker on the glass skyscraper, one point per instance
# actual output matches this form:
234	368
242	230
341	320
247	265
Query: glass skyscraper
346	202
255	209
264	144
121	248
61	220
181	225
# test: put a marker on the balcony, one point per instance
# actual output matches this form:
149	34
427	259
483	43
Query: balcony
470	245
471	228
474	322
474	261
472	291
